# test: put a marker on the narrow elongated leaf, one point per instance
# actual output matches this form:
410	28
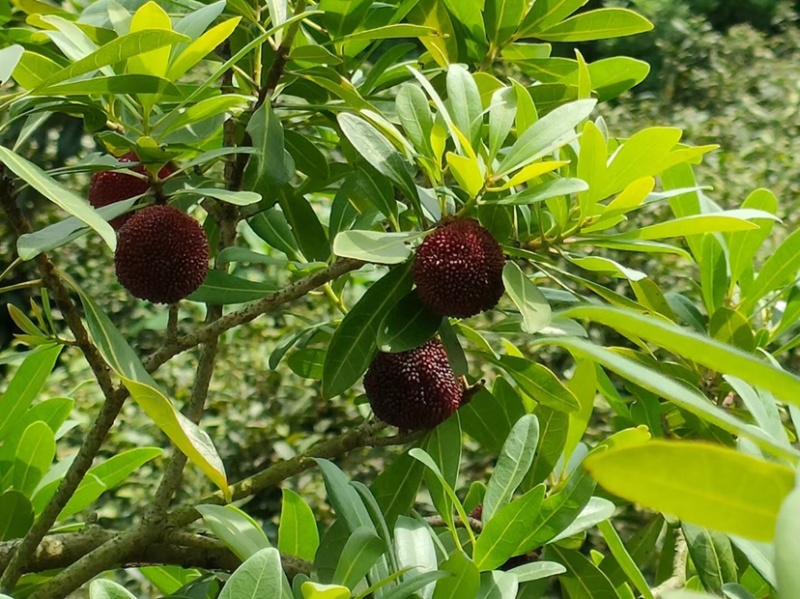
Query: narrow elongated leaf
464	102
540	383
413	584
360	553
503	536
583	579
58	194
25	386
16	515
787	544
712	556
108	589
374	246
9	57
269	169
200	47
546	134
122	48
297	532
719	222
780	268
193	441
597	24
117	468
537	570
33	457
353	344
221	288
489	417
409	324
396	487
532	304
624	559
718	356
742	247
513	463
414	547
699	483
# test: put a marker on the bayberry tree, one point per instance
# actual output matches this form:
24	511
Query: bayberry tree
433	181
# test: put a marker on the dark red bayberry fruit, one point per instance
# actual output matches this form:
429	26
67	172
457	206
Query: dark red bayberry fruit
110	187
414	389
458	269
162	255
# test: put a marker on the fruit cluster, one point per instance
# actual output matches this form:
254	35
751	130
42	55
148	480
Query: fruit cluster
458	272
162	253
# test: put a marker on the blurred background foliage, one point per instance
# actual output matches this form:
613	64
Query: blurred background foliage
724	71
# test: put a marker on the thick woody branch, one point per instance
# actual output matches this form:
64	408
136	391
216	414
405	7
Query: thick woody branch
268	304
182	549
119	549
102	424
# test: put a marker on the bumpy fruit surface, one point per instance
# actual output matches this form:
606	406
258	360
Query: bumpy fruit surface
162	255
414	389
458	269
110	187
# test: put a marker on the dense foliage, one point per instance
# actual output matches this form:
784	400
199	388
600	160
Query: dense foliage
627	422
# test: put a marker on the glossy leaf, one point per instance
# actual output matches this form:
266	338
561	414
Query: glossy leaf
532	304
396	487
33	457
712	556
353	344
540	383
16	515
464	582
58	194
297	532
234	528
408	325
221	288
260	576
699	483
512	464
374	246
414	547
360	553
108	589
582	579
597	24
28	381
780	268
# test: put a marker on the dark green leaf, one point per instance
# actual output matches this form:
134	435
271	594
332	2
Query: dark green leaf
407	325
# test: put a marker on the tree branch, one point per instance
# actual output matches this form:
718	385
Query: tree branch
294	291
102	424
678	578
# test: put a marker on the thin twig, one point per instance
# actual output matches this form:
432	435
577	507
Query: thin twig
678	578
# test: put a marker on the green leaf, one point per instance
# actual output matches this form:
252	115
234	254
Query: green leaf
779	269
33	457
237	198
315	590
712	556
503	535
108	589
260	576
412	584
346	502
558	511
583	579
465	580
433	13
58	194
719	222
89	489
407	325
190	439
464	102
234	528
502	112
387	32
695	347
63	232
416	118
443	447
269	169
360	553
512	464
539	382
9	57
16	515
544	191
502	17
489	417
553	430
115	84
122	48
498	585
297	532
27	383
220	288
33	69
787	544
200	47
352	346
414	547
615	75
713	273
546	13
374	246
546	135
699	483
600	24
624	559
532	304
381	154
537	570
670	389
116	469
396	487
743	246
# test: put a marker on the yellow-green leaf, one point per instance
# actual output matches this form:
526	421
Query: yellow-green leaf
705	484
532	171
467	172
154	62
200	47
186	435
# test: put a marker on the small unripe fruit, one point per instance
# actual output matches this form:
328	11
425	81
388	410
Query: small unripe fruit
458	269
162	255
110	187
414	389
